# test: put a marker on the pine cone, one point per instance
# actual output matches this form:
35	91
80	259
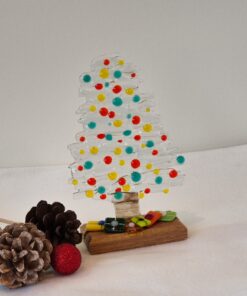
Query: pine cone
59	226
24	254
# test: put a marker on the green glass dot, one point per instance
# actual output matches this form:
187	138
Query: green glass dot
117	74
118	195
136	99
158	180
92	124
150	144
88	165
136	176
127	133
101	189
129	116
117	101
129	150
108	137
107	84
180	159
86	78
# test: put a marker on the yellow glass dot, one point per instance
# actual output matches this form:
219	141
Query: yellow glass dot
118	151
117	123
92	108
94	150
101	97
141	194
129	91
104	73
156	171
89	193
149	166
121	162
166	190
148	109
75	182
82	151
147	127
143	145
126	187
112	175
121	62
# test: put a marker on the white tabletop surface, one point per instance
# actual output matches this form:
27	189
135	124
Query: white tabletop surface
212	203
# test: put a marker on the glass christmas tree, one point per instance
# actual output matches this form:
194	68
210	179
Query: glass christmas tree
122	153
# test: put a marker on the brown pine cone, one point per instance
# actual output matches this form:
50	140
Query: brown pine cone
24	254
59	226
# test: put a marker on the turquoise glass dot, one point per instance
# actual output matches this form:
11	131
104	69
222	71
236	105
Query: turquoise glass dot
117	101
136	99
108	137
129	150
180	159
107	84
86	78
117	74
129	116
127	133
150	143
109	123
118	195
88	165
158	180
136	176
101	189
92	124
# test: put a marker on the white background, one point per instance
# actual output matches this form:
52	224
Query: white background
192	55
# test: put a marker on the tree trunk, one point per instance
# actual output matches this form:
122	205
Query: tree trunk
128	207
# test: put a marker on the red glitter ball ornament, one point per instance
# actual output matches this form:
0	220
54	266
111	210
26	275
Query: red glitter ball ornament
173	173
135	163
91	181
155	152
137	137
106	62
164	138
116	89
103	111
108	159
103	196
80	168
99	86
82	139
121	181
136	119
101	136
66	259
147	190
111	114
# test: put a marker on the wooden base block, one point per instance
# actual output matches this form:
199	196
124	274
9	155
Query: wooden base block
160	233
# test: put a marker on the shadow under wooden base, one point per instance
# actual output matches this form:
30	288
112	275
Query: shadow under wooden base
160	233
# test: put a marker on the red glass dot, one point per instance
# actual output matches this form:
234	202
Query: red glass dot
155	152
108	159
91	181
118	189
80	168
135	163
116	89
164	138
111	114
133	75
120	141
103	196
99	86
82	139
136	119
137	137
101	136
121	181
106	62
173	173
147	190
103	111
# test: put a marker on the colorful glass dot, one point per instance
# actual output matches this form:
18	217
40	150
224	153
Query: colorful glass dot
80	168
129	91
101	189
173	174
118	195
163	138
121	162
118	189
121	62
143	145
107	159
82	151
106	62
117	89
141	194
155	152
117	123
103	196
122	181
111	114
135	163
99	86
180	159
92	125
166	190
108	137
87	78
147	190
127	133
136	119
133	75
92	108
137	137
126	188
149	166
82	139
136	177
147	127
129	115
148	109
75	182
104	73
117	151
112	175
117	102
117	74
150	143
101	97
94	150
158	180
129	150
136	99
103	111
91	181
156	171
89	193
88	165
101	136
107	84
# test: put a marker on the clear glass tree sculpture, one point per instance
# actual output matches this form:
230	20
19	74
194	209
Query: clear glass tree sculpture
122	152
